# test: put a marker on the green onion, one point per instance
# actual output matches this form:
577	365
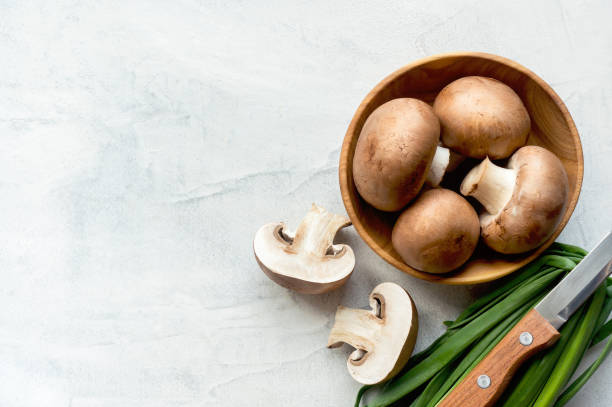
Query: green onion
433	387
552	261
582	379
603	329
362	390
498	298
573	353
455	344
568	248
432	373
602	333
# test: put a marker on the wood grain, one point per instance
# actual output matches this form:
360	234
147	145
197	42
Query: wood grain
502	362
552	128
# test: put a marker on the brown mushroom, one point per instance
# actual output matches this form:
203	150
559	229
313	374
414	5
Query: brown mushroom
523	203
394	153
308	261
437	233
481	117
383	337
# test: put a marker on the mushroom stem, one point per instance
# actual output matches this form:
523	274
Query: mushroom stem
454	161
490	184
438	167
355	327
315	234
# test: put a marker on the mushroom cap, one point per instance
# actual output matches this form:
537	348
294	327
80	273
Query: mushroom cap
536	206
307	262
394	152
384	337
437	233
482	117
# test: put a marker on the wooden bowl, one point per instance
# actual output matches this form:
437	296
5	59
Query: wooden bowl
551	127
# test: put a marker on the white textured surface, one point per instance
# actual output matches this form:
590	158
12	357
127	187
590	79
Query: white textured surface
143	143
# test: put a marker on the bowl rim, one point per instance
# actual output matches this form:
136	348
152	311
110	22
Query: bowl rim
453	279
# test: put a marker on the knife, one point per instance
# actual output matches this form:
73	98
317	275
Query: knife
537	330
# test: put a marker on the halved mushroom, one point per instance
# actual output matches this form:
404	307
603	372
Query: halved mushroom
383	337
523	203
481	117
308	262
437	233
394	153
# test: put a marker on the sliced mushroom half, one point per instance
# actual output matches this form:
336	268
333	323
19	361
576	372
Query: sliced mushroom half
383	337
308	261
523	203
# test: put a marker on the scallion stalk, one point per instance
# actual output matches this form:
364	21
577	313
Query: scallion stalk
432	373
456	344
582	379
573	353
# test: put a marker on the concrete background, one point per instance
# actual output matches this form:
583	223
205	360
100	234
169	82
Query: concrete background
144	142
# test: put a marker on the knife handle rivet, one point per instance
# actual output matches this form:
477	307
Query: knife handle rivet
526	339
483	381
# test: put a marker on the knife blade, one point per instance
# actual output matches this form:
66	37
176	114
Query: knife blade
535	331
563	300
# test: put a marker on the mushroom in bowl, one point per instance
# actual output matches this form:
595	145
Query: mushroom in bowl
482	117
395	153
523	203
551	127
437	233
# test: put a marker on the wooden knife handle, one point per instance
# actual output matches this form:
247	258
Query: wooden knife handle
486	382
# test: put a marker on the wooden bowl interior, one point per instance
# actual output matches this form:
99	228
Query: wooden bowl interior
552	128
